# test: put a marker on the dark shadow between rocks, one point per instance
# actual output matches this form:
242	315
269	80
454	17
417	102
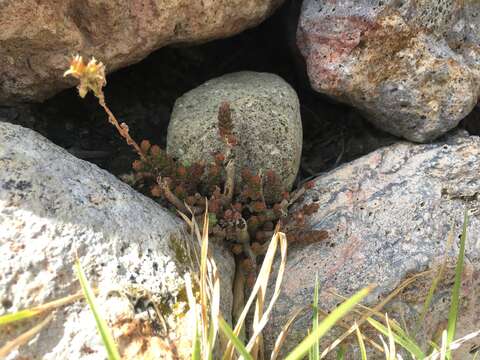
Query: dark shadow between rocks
143	95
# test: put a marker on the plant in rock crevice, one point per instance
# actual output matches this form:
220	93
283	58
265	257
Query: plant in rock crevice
238	213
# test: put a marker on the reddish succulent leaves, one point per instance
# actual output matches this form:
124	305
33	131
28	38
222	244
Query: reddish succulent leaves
245	219
225	124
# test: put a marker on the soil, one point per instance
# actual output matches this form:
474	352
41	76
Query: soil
143	95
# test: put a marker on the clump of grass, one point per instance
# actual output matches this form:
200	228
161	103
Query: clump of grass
397	335
253	349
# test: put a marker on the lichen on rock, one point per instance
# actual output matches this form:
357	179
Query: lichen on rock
412	68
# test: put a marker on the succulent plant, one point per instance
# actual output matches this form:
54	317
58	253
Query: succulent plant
242	218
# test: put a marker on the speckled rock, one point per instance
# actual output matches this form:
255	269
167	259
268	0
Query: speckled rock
266	119
412	67
388	216
37	39
53	205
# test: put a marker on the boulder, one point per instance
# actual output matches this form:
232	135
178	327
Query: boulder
265	112
412	67
37	39
54	206
388	216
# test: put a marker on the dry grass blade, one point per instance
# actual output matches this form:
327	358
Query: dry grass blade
345	326
283	334
24	338
192	224
399	334
391	341
259	305
203	283
196	346
370	312
214	306
457	288
436	354
256	320
361	344
386	350
209	284
263	276
37	310
438	277
338	313
443	350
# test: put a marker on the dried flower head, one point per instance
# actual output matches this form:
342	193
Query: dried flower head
91	75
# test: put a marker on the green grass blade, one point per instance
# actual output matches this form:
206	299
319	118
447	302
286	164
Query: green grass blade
361	343
315	350
455	301
433	345
196	350
102	326
37	310
475	357
310	351
303	348
341	351
396	328
211	341
436	281
227	330
18	316
405	342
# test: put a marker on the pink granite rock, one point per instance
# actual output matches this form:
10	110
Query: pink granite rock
412	67
388	216
37	38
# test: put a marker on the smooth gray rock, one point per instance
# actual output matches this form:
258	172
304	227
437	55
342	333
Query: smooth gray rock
266	120
53	205
388	216
412	67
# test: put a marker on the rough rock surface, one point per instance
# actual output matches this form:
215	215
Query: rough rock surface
37	39
53	205
266	119
413	67
388	216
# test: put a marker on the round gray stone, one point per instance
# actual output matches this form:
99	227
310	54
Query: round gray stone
266	117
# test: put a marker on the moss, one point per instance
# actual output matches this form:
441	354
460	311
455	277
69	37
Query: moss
183	253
